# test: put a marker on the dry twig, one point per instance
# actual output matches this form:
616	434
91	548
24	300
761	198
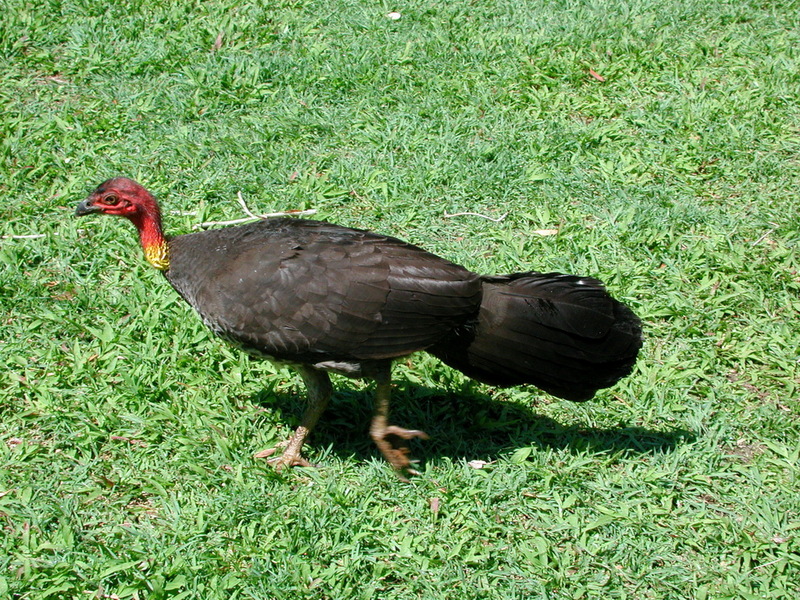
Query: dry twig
473	214
765	236
251	216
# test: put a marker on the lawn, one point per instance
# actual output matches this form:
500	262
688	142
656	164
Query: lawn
654	144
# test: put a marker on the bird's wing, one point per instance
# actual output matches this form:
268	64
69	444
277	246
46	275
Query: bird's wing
308	291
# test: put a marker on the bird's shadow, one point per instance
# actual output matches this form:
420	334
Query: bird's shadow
467	423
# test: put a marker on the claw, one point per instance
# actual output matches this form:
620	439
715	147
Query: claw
398	457
279	462
290	457
287	459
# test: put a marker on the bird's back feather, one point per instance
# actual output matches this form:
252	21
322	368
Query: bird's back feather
307	291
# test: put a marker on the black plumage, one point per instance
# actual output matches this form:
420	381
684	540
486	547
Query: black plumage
311	292
562	333
329	298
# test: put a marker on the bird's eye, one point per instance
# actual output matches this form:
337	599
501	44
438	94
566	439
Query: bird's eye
111	200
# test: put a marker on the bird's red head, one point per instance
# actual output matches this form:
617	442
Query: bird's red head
124	197
119	196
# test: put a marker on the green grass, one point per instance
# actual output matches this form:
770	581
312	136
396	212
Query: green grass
127	435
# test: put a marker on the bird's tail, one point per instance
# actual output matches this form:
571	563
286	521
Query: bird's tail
561	333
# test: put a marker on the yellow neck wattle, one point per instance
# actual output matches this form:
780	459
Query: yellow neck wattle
157	255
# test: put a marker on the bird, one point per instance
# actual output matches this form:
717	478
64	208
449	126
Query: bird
324	298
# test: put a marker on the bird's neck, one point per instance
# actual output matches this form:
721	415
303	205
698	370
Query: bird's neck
154	244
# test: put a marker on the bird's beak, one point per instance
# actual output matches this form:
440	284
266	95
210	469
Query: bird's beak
86	208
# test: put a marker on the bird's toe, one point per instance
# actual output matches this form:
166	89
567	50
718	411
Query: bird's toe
397	453
286	459
405	434
281	462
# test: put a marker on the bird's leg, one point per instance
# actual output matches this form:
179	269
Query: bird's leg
380	429
319	389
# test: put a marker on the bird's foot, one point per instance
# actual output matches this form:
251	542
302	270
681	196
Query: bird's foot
397	454
288	458
279	462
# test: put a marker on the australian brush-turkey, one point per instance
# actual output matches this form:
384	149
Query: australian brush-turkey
327	298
